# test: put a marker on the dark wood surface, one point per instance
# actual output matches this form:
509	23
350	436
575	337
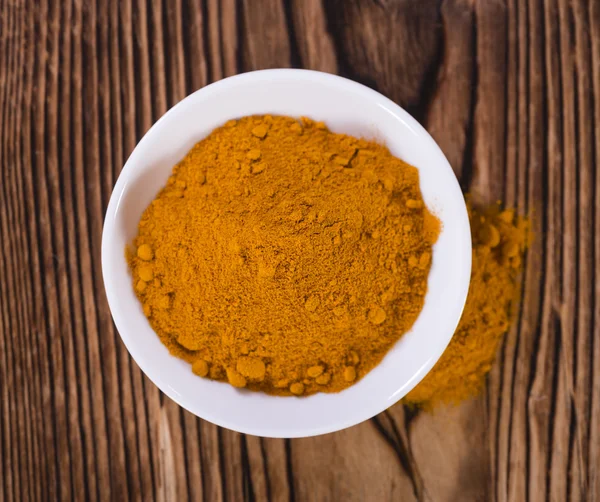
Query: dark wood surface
511	91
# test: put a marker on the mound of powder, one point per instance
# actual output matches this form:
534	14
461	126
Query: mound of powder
284	258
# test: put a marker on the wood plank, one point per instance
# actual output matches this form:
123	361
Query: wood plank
594	426
353	453
561	435
391	46
583	364
316	50
542	396
449	113
272	48
449	446
531	197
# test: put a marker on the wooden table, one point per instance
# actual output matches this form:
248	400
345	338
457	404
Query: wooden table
511	91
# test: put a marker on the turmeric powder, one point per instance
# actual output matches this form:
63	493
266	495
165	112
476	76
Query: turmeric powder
283	258
499	241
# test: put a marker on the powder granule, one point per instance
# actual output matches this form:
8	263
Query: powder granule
286	258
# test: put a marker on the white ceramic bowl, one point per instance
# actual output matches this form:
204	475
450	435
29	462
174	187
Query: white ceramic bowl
346	107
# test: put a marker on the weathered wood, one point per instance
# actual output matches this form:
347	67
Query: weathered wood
511	91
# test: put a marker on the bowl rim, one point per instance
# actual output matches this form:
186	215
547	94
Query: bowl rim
118	191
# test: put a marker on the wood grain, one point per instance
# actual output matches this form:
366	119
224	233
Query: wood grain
511	91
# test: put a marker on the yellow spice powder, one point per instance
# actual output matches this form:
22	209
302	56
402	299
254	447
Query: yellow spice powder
499	242
283	258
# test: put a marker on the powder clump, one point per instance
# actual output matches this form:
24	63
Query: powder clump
284	258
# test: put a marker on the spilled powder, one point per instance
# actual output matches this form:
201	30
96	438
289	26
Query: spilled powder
500	239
